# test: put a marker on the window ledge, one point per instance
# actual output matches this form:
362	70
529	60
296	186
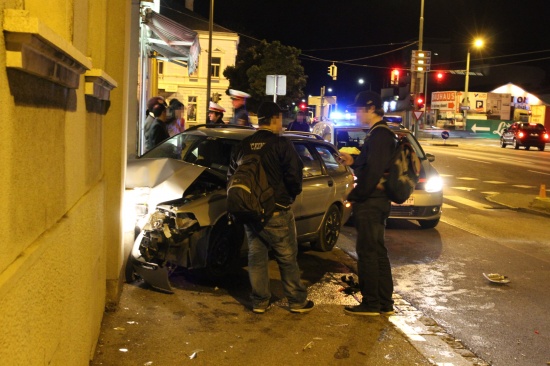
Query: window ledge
34	48
99	84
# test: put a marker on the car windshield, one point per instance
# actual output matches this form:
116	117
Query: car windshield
346	137
207	151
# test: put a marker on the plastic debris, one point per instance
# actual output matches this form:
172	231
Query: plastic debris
119	328
308	346
123	349
148	363
195	353
496	278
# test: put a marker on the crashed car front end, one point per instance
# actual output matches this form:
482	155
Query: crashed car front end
188	201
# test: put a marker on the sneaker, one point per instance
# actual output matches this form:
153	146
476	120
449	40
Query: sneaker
360	310
260	309
304	309
387	312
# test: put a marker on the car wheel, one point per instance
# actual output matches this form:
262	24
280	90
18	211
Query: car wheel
502	143
516	144
428	224
224	246
541	147
329	231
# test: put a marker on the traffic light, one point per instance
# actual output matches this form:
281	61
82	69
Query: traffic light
439	76
420	101
303	106
216	97
332	71
394	79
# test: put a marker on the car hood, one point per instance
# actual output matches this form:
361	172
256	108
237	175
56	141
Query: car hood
166	178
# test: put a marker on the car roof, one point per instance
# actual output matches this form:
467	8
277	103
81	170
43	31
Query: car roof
240	132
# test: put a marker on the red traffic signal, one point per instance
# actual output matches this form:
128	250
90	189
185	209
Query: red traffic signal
439	76
420	101
394	80
303	106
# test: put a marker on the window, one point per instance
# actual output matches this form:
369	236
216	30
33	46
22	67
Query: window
327	155
191	109
216	65
312	167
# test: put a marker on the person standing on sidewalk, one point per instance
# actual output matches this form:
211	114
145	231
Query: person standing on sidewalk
371	208
283	168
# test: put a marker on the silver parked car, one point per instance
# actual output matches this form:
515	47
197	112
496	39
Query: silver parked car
180	192
425	203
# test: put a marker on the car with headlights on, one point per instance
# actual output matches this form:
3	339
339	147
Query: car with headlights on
426	202
179	192
525	134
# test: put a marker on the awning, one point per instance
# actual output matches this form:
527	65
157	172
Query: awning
172	41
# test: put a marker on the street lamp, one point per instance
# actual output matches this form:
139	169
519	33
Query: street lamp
478	43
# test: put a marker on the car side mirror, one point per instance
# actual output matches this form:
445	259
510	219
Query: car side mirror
430	157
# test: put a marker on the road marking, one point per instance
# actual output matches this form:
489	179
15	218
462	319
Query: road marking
522	186
467	178
490	193
478	161
464	188
534	171
493	182
446	206
467	202
445	175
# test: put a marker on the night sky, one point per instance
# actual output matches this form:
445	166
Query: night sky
365	37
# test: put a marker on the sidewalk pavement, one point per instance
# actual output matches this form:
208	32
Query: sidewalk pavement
208	322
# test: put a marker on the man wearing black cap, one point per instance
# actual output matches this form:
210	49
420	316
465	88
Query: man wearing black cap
283	168
371	208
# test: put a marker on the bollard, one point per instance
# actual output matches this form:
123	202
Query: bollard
542	192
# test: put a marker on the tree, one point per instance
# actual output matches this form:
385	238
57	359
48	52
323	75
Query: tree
253	65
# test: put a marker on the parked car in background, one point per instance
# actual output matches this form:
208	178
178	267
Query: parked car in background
181	185
525	134
425	203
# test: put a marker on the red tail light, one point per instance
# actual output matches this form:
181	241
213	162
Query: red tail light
545	136
520	134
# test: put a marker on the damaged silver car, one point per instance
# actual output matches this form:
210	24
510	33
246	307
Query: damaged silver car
179	193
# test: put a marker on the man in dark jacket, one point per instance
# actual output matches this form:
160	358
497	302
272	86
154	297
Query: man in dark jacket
300	123
371	208
283	168
157	132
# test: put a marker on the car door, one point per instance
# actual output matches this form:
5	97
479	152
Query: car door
317	190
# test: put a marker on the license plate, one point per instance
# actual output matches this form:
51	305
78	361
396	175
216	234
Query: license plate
409	202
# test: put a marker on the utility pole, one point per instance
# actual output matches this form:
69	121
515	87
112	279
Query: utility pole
209	77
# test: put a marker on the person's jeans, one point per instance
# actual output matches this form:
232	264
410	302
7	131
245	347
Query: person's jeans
278	235
373	265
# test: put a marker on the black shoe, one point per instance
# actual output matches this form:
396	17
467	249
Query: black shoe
304	309
361	310
387	312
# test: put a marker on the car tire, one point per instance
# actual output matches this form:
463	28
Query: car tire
329	230
224	244
541	147
502	143
516	144
428	224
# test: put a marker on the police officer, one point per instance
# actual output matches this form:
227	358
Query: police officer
240	114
